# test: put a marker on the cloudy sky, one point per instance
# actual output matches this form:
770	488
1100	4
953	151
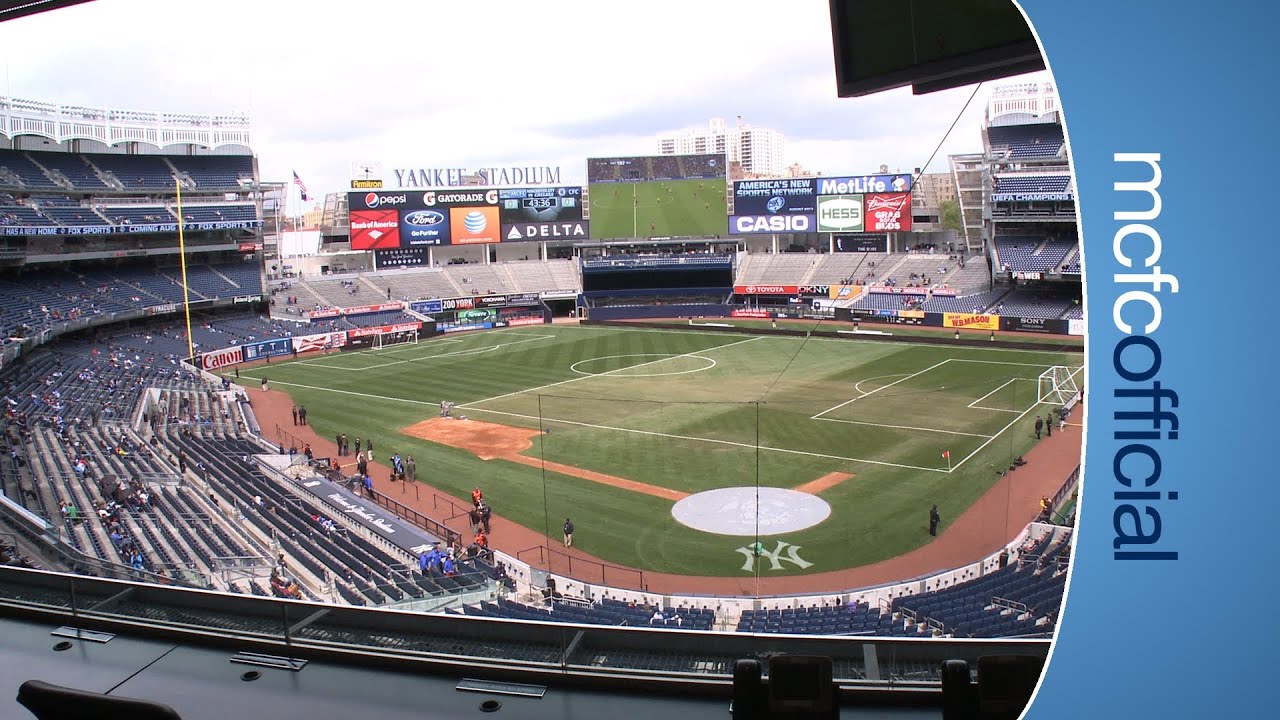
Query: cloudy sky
428	84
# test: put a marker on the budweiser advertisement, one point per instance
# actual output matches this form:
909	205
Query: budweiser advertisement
307	343
888	212
381	329
766	289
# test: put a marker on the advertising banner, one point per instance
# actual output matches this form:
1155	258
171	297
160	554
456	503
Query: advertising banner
474	225
888	212
566	230
518	206
971	321
1037	325
844	292
1032	197
751	313
766	289
357	310
887	290
815	290
516	322
308	343
268	348
401	257
420	228
840	213
1075	327
383	329
373	229
221	358
426	307
861	243
162	309
477	315
794	196
748	224
862	184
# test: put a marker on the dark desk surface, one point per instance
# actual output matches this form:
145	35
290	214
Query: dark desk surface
202	683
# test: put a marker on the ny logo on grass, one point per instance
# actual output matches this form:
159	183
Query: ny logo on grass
775	558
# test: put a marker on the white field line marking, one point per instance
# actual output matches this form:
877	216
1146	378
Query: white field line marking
976	406
904	427
707	440
455	353
858	385
1000	432
676	327
882	387
472	405
1042	366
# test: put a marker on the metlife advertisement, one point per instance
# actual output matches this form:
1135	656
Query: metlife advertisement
1169	608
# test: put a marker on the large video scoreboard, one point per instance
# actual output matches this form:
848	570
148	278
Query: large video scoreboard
385	220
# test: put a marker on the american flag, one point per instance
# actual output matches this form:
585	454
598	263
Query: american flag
301	186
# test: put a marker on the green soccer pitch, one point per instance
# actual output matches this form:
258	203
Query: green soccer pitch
658	208
692	411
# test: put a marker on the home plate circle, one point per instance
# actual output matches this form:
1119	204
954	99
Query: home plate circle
732	511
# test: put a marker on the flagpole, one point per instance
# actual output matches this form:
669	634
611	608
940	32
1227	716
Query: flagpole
182	253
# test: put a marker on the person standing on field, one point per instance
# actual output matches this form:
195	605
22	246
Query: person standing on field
568	532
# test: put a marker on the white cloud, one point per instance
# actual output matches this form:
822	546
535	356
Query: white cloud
492	82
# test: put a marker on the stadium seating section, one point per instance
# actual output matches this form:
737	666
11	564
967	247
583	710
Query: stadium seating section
1027	142
117	172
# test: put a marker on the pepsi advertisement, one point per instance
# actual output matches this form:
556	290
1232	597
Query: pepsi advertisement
793	196
539	205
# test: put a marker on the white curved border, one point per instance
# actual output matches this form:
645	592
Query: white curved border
664	356
733	511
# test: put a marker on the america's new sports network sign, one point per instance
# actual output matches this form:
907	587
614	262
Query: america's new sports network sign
861	203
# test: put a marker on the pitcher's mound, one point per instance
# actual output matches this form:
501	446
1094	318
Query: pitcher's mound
486	440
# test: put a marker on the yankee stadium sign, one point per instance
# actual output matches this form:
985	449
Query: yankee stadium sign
456	177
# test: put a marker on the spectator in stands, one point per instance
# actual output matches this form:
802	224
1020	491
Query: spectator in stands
658	618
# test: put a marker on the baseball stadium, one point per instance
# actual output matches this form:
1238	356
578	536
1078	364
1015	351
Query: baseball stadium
630	431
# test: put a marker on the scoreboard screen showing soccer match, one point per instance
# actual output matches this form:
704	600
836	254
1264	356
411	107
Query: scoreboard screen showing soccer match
535	205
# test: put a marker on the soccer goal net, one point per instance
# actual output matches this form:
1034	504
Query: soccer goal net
403	337
1058	386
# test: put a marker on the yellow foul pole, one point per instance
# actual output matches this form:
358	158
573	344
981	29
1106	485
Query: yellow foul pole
182	253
